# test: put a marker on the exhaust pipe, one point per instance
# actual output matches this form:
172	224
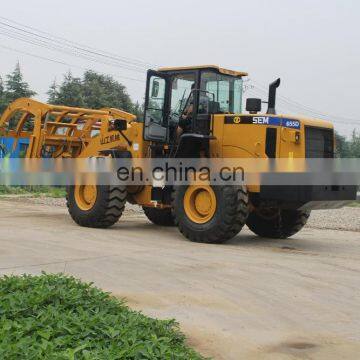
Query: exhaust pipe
272	96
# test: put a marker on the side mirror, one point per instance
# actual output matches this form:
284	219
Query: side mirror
120	125
253	105
155	89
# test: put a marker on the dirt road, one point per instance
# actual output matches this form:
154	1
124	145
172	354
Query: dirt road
250	299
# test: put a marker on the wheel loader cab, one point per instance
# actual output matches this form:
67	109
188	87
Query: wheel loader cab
205	91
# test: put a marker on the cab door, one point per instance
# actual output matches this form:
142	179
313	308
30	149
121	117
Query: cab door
156	115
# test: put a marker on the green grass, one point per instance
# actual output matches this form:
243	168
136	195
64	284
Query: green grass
355	204
59	317
56	192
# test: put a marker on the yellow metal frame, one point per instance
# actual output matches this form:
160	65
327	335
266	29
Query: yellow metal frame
215	67
68	131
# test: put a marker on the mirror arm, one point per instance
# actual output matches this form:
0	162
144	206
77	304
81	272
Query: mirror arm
125	137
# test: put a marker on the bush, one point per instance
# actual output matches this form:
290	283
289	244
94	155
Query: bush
59	317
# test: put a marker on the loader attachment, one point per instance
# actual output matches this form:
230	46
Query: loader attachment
52	131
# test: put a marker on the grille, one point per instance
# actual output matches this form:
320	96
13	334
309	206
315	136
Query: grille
319	142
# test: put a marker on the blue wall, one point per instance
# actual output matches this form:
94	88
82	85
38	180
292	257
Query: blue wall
7	143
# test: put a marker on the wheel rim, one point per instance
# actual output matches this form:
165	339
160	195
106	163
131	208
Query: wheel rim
200	203
85	196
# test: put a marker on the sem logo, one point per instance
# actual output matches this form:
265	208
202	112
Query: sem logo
237	120
261	120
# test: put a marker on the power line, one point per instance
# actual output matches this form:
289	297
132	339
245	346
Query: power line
298	105
60	62
78	46
256	91
63	50
56	43
34	36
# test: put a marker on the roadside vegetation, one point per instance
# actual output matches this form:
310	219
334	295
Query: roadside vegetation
92	90
59	317
348	147
33	191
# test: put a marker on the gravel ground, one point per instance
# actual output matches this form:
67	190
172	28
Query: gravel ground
347	218
250	299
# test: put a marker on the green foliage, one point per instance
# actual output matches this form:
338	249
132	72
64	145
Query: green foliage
354	146
13	190
348	148
3	103
53	93
138	110
38	190
58	317
69	93
93	91
15	87
355	204
104	91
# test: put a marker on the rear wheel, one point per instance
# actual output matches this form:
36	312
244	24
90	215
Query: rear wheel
277	223
162	217
96	206
210	214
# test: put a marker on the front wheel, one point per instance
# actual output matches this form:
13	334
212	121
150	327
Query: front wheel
277	223
210	214
96	206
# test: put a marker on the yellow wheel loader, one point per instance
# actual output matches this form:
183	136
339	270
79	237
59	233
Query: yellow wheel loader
190	112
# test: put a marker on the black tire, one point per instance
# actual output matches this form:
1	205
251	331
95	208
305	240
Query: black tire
161	217
277	223
229	218
107	210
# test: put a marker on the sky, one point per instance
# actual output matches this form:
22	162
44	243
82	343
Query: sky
313	46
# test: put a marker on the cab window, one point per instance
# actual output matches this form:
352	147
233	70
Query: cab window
226	91
182	85
156	100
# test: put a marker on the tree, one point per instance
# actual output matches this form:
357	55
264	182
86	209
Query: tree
342	146
104	91
93	91
3	102
138	110
354	146
52	93
348	148
69	93
1	87
16	87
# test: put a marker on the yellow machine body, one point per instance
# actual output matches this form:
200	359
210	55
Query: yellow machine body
83	133
218	128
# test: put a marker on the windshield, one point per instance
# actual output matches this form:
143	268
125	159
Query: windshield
227	91
182	85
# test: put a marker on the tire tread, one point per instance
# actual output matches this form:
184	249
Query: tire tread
108	209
